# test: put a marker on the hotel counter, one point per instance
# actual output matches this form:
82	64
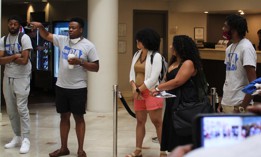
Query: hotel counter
219	54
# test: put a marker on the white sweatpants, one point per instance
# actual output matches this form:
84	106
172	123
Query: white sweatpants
16	92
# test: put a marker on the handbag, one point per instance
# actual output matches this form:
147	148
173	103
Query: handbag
185	112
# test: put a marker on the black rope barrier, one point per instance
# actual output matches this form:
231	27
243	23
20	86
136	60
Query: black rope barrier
126	106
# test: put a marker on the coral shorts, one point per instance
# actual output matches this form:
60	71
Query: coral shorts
148	102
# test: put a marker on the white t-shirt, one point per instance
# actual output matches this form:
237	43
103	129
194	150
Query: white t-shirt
12	47
77	77
247	148
238	55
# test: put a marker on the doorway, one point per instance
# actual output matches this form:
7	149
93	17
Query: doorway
157	20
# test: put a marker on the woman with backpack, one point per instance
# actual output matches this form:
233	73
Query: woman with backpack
143	77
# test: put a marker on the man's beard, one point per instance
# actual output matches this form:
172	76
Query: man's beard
13	32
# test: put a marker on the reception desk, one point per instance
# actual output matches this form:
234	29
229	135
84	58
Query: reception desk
214	67
216	54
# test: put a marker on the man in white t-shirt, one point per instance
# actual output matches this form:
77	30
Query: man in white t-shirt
240	64
71	86
14	54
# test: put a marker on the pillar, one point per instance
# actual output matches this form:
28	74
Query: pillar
103	32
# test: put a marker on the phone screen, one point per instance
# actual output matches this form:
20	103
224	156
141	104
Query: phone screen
226	130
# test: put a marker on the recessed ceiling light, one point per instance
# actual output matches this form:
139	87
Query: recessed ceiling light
206	12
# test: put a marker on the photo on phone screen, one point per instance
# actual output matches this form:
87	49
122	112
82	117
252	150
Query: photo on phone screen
222	130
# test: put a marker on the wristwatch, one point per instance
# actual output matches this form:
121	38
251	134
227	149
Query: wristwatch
157	89
82	62
241	109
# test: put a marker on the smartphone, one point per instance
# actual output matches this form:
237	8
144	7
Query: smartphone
214	130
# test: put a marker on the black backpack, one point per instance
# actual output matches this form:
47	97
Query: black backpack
163	68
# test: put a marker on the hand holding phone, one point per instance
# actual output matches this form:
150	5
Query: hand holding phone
214	130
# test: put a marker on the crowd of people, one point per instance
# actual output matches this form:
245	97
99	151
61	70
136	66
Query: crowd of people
184	75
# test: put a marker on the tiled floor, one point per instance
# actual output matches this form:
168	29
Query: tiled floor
99	133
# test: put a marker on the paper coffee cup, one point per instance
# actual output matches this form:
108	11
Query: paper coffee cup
70	66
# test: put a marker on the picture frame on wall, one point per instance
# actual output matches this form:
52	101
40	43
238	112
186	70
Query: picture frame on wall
122	30
122	46
199	33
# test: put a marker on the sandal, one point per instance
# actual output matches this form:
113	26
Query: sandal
163	154
83	154
59	152
135	155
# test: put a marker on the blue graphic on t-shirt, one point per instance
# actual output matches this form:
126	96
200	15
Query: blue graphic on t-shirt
12	49
231	64
68	50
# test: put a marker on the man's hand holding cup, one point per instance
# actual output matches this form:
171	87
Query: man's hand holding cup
70	60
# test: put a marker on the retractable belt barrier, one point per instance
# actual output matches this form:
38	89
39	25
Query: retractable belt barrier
214	98
117	94
126	106
115	119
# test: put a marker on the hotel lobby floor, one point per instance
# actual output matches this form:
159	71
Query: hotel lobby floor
98	138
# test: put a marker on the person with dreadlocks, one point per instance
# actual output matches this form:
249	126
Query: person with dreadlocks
184	66
240	61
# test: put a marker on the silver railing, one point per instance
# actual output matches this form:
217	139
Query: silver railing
115	119
214	98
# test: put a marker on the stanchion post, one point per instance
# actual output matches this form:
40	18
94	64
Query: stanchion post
115	119
213	98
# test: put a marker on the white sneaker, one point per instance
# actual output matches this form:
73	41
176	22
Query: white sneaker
25	146
16	141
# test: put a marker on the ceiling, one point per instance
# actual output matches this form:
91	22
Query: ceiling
34	1
184	5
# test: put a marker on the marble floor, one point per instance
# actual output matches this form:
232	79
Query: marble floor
98	139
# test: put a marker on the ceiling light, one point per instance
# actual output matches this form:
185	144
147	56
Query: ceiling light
206	12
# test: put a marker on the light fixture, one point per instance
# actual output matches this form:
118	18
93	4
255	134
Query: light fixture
206	12
241	12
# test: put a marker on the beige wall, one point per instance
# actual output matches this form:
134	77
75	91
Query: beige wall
253	26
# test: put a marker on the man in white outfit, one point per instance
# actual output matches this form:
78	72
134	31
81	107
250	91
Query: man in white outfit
240	63
14	54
